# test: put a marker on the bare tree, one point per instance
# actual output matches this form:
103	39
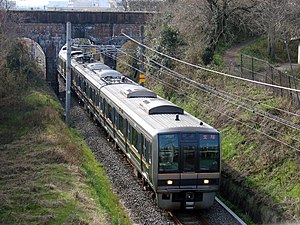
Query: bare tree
205	22
141	5
124	4
277	19
7	37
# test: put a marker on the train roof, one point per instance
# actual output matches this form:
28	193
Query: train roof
151	112
98	66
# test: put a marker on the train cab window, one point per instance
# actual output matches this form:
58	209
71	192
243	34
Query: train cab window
209	153
168	156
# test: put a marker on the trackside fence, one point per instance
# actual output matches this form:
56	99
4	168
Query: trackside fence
261	70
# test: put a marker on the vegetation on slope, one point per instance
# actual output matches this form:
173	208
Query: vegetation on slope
47	174
260	155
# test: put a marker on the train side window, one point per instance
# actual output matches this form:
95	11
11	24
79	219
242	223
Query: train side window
143	147
72	74
103	106
87	89
100	103
146	146
79	81
121	124
128	130
116	118
76	78
109	114
150	152
90	92
97	99
84	87
94	95
134	138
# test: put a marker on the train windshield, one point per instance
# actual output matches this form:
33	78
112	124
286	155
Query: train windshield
168	153
189	152
209	153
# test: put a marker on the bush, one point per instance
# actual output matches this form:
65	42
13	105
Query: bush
17	70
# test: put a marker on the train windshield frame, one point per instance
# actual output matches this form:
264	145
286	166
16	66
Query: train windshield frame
188	152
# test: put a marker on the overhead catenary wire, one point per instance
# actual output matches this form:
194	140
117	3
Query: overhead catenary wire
232	101
243	123
250	110
256	102
237	96
222	113
210	70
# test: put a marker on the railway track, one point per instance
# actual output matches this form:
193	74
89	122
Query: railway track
136	205
196	217
188	218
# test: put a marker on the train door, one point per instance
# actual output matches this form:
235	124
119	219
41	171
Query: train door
188	176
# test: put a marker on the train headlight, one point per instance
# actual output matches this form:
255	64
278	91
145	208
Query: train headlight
206	181
169	182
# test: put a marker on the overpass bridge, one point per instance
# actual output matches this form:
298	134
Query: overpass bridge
48	29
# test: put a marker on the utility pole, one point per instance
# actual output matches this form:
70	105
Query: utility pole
68	74
292	72
142	50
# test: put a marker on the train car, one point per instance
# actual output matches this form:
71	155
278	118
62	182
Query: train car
176	154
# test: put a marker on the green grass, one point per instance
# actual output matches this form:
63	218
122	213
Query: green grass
259	49
231	140
280	182
267	166
48	175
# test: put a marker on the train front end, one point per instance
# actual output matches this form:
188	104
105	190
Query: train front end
188	170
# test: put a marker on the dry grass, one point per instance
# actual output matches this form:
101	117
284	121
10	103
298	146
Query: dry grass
40	174
267	166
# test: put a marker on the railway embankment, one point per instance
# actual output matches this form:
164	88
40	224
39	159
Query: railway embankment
47	173
265	183
260	141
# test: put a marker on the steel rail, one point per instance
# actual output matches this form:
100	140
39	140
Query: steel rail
230	211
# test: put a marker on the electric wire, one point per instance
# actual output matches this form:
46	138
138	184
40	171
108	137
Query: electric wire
243	123
256	102
210	70
233	101
232	94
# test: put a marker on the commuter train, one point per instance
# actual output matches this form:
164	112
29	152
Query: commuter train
174	153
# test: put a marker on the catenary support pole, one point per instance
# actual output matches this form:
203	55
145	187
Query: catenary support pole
68	74
142	51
